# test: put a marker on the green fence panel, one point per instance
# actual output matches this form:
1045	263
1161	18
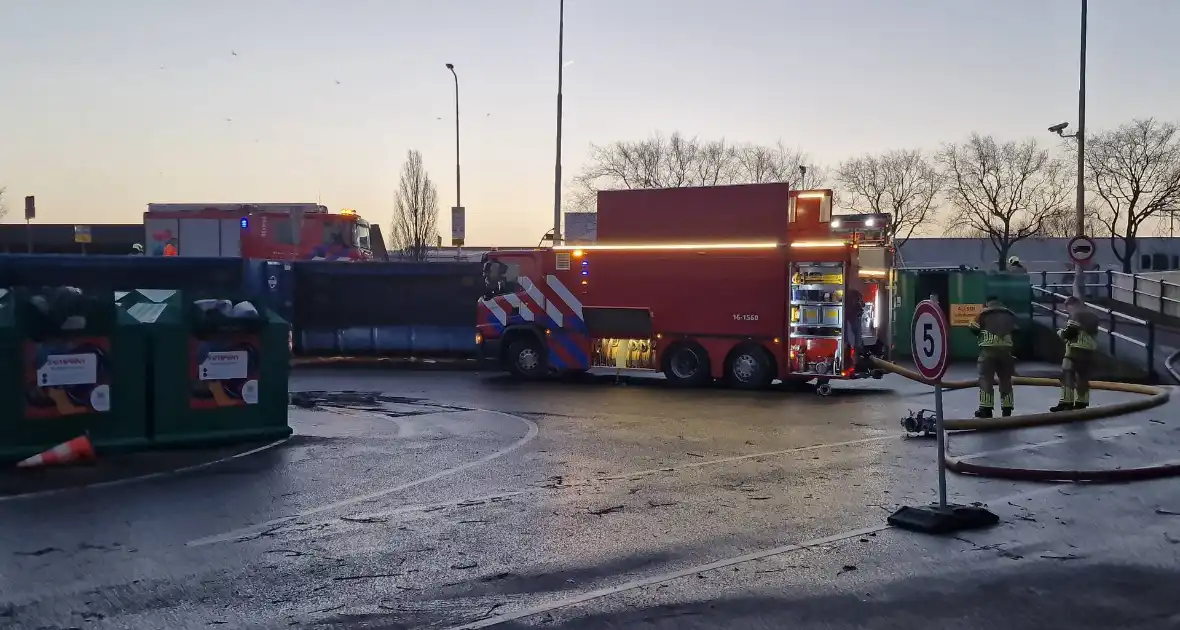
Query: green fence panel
78	369
213	381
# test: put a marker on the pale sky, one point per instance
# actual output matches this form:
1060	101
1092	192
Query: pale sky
109	105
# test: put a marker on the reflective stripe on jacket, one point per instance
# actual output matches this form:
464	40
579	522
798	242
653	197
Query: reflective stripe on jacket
991	340
1076	337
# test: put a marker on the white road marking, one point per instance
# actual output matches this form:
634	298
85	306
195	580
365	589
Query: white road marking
537	489
255	530
682	573
422	507
276	525
147	477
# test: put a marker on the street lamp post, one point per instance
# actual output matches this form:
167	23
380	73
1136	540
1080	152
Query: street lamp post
1080	136
458	179
557	161
1080	227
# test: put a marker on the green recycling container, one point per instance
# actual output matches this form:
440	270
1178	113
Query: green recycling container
961	294
213	380
76	370
12	402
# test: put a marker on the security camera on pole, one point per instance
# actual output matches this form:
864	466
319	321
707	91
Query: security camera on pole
1080	136
931	350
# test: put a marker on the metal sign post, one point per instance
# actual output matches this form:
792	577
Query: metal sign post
931	350
940	430
30	214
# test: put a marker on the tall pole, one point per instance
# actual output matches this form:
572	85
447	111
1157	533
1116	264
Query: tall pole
557	161
458	178
1080	227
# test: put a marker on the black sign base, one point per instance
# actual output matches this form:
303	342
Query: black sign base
931	519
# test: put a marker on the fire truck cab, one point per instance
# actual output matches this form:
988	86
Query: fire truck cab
806	306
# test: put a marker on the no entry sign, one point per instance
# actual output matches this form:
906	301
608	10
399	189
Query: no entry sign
1081	249
929	340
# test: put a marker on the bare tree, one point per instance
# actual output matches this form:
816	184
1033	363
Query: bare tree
3	207
904	184
1134	171
758	164
415	213
1005	192
1063	223
677	161
1168	221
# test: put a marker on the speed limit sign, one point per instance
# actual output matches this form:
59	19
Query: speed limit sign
930	340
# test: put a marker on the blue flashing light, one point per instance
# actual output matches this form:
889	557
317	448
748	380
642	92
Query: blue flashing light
245	223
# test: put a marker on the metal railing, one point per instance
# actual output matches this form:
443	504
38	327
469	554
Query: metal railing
1048	301
1154	294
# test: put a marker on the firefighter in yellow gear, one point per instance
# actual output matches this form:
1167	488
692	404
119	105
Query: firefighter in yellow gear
994	327
1080	335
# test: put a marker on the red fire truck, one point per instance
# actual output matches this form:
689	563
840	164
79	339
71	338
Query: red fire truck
780	291
272	231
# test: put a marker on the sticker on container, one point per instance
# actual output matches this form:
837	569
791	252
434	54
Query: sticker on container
68	369
250	392
965	314
100	398
224	366
147	312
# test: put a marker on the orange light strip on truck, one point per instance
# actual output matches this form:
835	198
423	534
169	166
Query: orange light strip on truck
819	243
873	273
664	246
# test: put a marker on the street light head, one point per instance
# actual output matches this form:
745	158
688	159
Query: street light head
450	66
1058	128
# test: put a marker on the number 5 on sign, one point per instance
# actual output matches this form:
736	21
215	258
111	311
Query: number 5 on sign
930	340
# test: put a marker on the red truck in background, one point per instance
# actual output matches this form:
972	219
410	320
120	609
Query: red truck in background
272	231
743	283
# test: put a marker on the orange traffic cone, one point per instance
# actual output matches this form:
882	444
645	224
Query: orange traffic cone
76	450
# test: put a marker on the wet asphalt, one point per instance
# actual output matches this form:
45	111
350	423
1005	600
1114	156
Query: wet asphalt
462	500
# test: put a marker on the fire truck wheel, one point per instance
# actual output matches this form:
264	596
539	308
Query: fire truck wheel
749	368
525	358
686	365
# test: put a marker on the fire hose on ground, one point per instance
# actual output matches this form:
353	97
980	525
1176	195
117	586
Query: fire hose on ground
1150	397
